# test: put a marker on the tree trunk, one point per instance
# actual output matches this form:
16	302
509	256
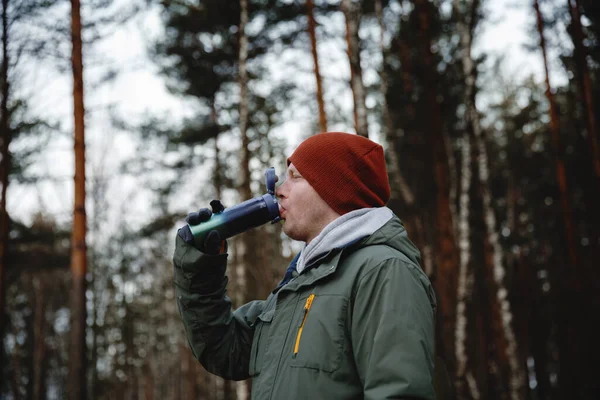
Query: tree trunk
5	136
245	191
313	44
585	85
494	249
558	149
568	276
351	10
191	392
399	186
446	252
585	89
148	381
39	340
415	215
77	370
463	288
501	301
217	174
229	390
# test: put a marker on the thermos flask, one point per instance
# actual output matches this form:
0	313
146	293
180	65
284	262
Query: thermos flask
242	217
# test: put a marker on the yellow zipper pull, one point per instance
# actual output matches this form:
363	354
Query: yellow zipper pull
309	301
307	306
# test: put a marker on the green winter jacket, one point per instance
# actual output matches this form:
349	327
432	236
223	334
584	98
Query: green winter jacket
358	323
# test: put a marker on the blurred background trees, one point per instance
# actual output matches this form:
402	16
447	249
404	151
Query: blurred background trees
496	178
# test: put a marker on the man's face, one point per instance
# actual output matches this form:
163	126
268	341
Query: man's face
304	211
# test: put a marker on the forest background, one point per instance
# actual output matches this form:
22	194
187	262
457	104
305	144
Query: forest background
493	158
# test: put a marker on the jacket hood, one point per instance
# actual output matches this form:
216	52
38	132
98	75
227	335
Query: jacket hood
393	234
343	231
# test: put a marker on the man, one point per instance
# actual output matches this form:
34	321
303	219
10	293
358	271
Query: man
353	317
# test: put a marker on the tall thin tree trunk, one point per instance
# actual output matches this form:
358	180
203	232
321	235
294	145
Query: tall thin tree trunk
446	248
310	6
352	12
465	30
245	190
217	174
39	340
77	364
453	176
229	390
416	226
5	136
517	375
464	245
148	380
192	374
233	286
569	287
585	89
400	187
585	85
558	149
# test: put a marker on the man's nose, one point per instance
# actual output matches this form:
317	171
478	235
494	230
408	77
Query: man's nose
279	190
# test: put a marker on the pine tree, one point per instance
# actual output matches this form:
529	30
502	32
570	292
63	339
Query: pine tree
352	11
310	10
78	364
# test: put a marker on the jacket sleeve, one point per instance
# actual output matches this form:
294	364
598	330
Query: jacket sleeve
393	332
219	338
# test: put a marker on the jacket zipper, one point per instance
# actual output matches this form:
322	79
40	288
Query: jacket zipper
307	306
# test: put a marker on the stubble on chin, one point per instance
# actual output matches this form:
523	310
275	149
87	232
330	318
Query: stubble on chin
290	232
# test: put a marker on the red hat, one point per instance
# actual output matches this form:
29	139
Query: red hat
347	170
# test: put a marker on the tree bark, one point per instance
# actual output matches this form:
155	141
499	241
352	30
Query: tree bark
148	381
586	89
463	288
414	215
493	249
6	136
558	149
310	6
399	186
39	340
191	375
245	191
569	276
77	370
351	10
585	85
245	277
446	252
217	174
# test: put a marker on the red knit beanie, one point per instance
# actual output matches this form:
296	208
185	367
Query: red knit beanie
348	171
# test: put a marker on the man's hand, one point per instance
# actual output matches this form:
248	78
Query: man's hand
213	244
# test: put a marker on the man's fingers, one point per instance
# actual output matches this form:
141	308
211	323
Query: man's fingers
196	218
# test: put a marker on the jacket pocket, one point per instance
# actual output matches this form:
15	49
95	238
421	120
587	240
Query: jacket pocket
260	342
319	337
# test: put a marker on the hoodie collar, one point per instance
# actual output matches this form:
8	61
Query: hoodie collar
343	231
